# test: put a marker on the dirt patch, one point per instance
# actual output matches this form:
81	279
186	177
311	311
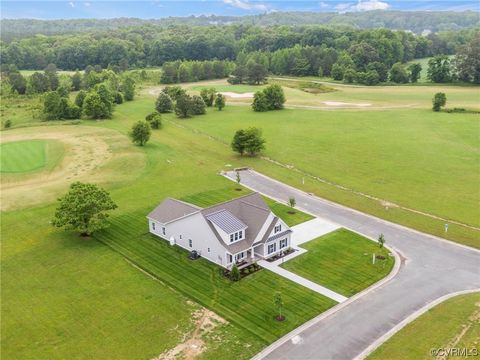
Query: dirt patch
193	343
233	95
344	104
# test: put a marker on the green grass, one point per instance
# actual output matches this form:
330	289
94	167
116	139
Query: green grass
29	155
377	152
68	297
213	197
437	328
61	284
342	262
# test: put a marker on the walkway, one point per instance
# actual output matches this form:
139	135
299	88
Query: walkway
432	267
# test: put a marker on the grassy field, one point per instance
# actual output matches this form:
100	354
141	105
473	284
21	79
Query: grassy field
452	324
428	156
60	284
342	262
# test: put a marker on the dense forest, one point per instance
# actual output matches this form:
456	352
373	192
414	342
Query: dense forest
414	21
149	45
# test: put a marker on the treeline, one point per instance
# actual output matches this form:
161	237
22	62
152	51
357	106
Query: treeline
149	45
416	21
189	71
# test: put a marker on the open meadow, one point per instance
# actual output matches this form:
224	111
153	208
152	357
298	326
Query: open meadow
401	158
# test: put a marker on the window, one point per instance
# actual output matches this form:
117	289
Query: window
153	226
239	235
190	243
272	248
164	232
278	228
283	243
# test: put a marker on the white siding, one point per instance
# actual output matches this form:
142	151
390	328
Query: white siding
193	227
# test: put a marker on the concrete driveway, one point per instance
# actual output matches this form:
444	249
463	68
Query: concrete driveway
431	268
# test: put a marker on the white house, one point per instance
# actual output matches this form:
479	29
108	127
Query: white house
237	231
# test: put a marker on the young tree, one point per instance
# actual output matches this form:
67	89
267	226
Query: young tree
198	105
140	133
278	302
183	106
234	273
439	100
415	70
220	101
381	240
439	69
84	209
398	74
292	202
128	88
254	142
238	142
260	102
164	103
155	120
274	96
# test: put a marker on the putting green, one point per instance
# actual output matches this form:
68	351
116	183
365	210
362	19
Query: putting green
23	156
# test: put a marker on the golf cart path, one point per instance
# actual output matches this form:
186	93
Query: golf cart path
430	269
302	233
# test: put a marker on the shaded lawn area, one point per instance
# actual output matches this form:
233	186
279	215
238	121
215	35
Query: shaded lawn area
342	262
213	197
247	303
456	317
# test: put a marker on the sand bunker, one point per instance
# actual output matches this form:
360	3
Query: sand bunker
234	95
344	104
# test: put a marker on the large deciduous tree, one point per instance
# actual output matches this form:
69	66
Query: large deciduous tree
84	209
439	69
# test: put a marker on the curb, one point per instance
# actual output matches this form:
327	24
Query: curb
408	320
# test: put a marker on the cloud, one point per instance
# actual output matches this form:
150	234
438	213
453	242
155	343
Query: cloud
245	5
72	4
362	6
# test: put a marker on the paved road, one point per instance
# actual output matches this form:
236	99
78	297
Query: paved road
431	268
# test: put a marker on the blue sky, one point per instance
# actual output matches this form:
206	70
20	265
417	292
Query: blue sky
158	9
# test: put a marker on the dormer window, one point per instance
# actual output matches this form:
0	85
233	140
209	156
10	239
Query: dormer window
277	228
239	235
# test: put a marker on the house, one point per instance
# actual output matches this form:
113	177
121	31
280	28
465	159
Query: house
238	231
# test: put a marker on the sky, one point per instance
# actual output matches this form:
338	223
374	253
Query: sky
57	9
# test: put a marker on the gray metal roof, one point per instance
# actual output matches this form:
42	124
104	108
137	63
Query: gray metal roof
226	221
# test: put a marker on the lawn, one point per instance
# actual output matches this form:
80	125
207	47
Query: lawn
394	155
342	262
23	156
70	294
454	319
